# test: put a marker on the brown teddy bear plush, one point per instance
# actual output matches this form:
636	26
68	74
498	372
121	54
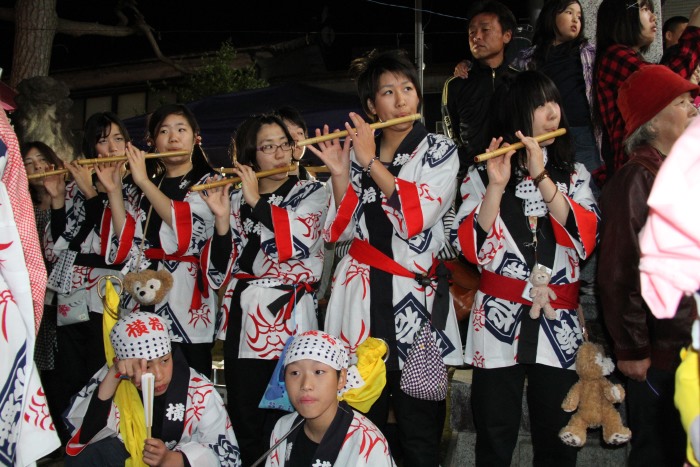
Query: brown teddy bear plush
148	286
594	396
541	294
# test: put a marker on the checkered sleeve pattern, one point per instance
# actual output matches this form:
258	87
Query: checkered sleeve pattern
15	179
686	57
617	63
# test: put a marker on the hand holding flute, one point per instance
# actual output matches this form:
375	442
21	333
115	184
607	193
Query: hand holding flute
514	147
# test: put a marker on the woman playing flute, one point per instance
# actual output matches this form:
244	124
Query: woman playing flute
268	242
525	215
390	193
74	246
157	229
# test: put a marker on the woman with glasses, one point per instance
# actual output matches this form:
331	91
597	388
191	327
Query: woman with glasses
268	242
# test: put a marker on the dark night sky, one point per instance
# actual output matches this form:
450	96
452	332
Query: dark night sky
192	27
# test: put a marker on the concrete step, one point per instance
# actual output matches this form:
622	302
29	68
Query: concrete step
460	452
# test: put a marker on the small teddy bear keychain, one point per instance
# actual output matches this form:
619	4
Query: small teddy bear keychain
541	294
538	288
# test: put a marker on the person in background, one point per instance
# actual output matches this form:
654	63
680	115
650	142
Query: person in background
647	348
524	213
673	29
37	158
561	51
466	103
626	29
296	125
267	250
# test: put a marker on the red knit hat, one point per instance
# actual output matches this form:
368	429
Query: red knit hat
647	91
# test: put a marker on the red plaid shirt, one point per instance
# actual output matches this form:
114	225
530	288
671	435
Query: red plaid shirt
620	61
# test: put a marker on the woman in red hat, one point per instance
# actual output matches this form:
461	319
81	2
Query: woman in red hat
647	349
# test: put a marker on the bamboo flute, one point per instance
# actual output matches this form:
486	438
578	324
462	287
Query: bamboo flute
514	147
150	155
226	181
344	133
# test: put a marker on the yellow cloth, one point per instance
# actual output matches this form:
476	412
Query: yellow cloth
687	396
132	425
372	370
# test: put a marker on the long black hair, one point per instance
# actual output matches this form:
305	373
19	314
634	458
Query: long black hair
546	30
513	105
99	126
618	23
200	164
245	141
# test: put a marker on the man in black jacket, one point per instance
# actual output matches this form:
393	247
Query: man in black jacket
466	101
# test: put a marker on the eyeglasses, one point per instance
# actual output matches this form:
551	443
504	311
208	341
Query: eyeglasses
272	148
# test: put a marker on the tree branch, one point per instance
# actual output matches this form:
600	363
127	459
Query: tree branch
81	28
146	30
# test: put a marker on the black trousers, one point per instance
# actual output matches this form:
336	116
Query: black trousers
80	354
658	438
419	422
246	382
497	395
109	452
198	356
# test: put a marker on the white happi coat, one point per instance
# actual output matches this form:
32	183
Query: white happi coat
425	188
84	294
290	255
191	317
364	444
27	432
495	323
207	437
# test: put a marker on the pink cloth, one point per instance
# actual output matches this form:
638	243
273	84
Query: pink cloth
670	240
15	179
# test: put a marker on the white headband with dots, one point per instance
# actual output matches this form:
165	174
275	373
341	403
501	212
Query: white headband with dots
140	335
318	346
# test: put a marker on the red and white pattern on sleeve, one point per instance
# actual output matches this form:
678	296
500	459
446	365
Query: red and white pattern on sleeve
15	179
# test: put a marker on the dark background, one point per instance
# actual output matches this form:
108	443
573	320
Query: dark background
347	28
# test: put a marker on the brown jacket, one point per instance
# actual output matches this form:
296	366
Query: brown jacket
635	331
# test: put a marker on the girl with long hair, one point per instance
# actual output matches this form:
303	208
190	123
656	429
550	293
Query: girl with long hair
561	51
525	213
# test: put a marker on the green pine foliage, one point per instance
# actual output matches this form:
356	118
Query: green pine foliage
217	76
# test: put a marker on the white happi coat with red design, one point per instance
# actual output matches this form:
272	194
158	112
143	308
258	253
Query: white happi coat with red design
495	323
364	444
207	437
190	313
425	187
27	432
84	294
291	255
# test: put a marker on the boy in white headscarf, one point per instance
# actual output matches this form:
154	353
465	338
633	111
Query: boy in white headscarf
190	424
323	432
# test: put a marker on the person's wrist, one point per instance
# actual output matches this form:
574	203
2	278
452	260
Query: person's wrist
542	174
